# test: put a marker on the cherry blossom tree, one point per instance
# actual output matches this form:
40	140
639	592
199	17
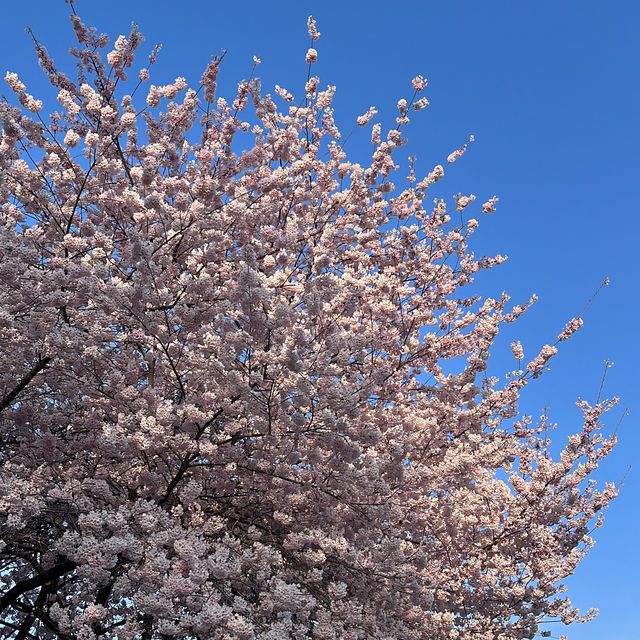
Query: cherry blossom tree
227	407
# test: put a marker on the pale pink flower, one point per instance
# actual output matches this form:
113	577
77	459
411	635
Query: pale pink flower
464	201
365	118
432	177
312	28
517	350
153	97
71	138
490	205
209	79
68	102
283	93
30	103
325	98
458	153
311	85
92	139
375	134
170	91
18	87
93	101
116	56
312	55
538	363
14	82
419	83
418	105
572	326
128	119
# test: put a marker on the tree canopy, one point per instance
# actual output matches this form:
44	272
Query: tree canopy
228	409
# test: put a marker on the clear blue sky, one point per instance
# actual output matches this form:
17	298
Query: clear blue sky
550	90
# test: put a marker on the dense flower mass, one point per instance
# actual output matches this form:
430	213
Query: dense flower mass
227	409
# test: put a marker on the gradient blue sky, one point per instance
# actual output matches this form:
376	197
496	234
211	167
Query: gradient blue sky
550	90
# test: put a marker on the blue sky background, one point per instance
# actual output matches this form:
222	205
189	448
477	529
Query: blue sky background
550	90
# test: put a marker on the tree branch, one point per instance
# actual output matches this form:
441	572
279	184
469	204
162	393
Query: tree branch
8	400
17	590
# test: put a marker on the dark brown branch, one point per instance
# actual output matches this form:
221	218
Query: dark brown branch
184	467
9	399
27	623
125	164
17	590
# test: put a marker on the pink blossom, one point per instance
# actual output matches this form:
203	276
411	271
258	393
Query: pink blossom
419	83
538	363
209	79
418	105
116	56
128	119
311	85
68	102
18	87
71	138
490	205
517	350
30	103
375	134
312	28
365	118
464	201
14	82
284	94
572	326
